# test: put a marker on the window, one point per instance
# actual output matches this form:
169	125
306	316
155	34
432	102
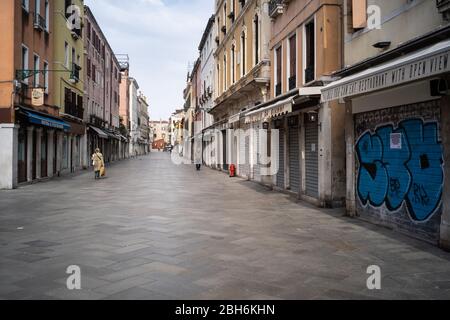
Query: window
37	7
278	74
292	62
233	64
26	5
46	83
225	72
36	71
233	11
256	35
73	56
243	54
218	79
66	54
47	16
225	15
67	4
25	60
359	14
310	52
88	67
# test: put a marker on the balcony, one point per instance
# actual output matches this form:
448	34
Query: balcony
277	89
292	82
309	74
276	8
444	8
75	74
39	22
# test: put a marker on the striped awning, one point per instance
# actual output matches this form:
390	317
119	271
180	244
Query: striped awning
272	111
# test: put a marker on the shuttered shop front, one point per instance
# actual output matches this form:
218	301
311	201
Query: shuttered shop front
281	166
311	157
294	155
399	167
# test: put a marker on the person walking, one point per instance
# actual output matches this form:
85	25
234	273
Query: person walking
98	163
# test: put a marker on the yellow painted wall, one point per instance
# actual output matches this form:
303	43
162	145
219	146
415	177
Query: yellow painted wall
62	34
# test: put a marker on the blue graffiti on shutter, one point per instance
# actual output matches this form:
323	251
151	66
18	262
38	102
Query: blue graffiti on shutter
412	173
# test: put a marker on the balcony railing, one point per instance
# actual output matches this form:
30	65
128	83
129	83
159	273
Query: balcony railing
276	7
278	89
74	111
309	74
292	82
39	22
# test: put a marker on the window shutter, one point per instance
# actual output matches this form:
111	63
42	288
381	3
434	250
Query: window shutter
359	12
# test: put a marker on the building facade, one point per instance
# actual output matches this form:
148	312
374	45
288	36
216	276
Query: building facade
242	81
307	137
176	131
68	82
143	123
124	106
102	87
207	48
188	119
31	128
395	93
160	132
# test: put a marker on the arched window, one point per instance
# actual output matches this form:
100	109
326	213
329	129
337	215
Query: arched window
256	39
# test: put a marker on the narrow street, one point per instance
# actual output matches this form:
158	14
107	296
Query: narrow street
153	230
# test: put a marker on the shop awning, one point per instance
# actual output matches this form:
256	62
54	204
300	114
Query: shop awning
275	110
46	121
99	132
422	64
123	138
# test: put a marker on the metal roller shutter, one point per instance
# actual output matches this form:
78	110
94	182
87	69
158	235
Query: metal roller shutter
312	158
257	165
294	159
242	155
280	173
247	156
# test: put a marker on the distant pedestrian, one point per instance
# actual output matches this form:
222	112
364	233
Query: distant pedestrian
98	163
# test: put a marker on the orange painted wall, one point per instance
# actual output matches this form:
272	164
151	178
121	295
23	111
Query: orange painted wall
6	58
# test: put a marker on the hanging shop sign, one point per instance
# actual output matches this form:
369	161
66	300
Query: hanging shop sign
37	97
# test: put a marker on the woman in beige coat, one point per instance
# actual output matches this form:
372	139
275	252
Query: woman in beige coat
97	161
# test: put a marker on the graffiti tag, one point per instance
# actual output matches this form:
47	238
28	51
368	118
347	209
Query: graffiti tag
407	171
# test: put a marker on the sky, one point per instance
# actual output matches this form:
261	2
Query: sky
161	37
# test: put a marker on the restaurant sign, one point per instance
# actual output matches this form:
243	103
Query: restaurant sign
400	73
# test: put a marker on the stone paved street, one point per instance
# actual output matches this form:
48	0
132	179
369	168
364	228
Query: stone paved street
153	230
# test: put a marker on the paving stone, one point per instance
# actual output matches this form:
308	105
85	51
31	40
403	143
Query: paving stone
154	230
